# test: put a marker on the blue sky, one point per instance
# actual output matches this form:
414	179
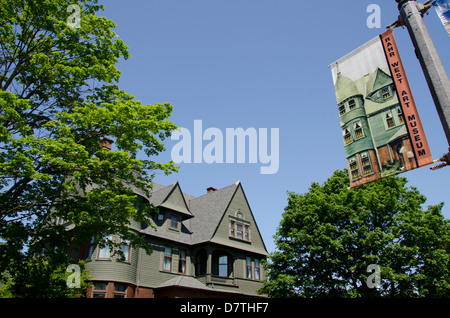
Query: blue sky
264	64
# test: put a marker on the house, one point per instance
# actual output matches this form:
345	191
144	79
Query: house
375	137
206	246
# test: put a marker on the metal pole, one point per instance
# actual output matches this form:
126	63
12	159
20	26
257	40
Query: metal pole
435	74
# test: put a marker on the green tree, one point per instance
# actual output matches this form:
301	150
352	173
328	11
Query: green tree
330	235
60	105
41	278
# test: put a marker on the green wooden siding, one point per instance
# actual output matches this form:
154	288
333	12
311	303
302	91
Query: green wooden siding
222	234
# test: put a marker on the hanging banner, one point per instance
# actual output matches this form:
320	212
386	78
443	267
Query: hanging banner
443	11
381	128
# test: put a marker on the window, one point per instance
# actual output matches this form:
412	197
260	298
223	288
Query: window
167	259
347	136
160	217
341	108
239	231
351	104
125	249
365	163
232	225
400	115
174	222
223	266
257	269
386	92
90	248
359	133
389	120
120	290
200	263
104	252
182	262
99	290
354	170
248	267
252	272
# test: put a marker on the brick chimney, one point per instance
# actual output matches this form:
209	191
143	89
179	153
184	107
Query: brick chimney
106	143
210	189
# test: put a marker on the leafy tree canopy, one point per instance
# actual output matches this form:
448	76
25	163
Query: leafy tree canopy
60	104
330	235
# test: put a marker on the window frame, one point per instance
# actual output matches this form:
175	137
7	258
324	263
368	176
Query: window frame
125	243
364	157
401	118
347	133
386	92
248	268
358	129
171	222
182	261
352	160
102	292
90	248
352	105
167	257
389	119
222	266
341	109
120	294
257	269
105	248
244	231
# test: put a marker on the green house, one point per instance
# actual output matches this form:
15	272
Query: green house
206	246
375	137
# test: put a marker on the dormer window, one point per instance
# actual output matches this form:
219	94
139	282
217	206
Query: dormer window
239	229
174	222
385	92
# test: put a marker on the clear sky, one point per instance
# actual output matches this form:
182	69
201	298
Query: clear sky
264	64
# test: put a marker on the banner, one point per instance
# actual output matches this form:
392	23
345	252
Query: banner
443	11
381	128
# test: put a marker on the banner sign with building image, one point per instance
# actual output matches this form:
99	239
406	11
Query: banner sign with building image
381	128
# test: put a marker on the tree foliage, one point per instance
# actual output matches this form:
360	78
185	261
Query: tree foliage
59	103
330	235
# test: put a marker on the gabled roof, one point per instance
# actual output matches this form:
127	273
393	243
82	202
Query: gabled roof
172	198
381	80
206	212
